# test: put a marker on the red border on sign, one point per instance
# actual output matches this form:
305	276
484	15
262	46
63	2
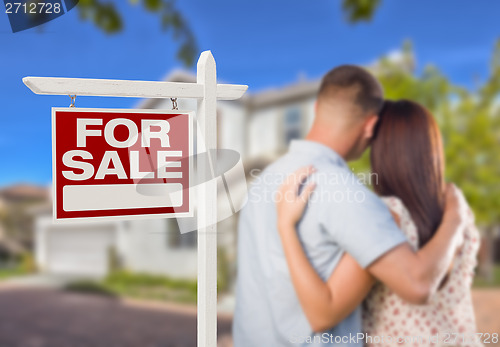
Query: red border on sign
64	139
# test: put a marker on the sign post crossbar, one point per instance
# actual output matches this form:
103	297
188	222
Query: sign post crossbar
207	91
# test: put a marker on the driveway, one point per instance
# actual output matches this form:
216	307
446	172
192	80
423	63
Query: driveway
52	318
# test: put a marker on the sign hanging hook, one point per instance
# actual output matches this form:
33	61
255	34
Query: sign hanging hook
174	103
73	98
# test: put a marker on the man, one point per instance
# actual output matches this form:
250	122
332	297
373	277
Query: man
346	217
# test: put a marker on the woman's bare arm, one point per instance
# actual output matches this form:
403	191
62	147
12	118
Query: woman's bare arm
324	304
412	276
416	276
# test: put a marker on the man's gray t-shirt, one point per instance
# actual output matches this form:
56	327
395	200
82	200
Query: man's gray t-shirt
342	215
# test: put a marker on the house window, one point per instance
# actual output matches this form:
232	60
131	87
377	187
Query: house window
293	124
177	240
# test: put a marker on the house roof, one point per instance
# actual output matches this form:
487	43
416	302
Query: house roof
301	89
20	192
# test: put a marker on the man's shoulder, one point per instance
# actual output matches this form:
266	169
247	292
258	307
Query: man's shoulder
281	167
331	176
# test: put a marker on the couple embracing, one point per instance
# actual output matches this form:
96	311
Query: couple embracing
326	261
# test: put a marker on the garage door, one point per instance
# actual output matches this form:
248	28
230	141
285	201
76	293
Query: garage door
79	250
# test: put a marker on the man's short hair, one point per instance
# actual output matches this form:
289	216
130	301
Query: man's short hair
368	93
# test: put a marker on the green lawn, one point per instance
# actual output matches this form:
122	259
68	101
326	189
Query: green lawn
141	286
152	287
12	272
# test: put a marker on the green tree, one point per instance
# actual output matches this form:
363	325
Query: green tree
360	10
470	124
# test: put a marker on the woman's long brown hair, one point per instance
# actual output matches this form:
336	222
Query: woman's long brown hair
407	160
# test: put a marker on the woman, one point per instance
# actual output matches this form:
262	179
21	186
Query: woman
407	160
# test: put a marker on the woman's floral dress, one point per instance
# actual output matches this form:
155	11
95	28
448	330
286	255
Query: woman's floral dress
447	320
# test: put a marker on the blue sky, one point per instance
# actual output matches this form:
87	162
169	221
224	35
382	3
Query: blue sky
260	43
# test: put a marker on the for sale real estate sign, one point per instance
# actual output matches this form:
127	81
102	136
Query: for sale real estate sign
121	163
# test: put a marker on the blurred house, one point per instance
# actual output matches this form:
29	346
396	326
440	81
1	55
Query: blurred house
9	249
23	193
16	219
258	126
92	248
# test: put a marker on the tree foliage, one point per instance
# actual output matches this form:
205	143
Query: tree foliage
360	10
469	121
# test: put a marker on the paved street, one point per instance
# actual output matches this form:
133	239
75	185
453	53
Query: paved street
50	318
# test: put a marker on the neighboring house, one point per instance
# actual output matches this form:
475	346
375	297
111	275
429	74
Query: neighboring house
16	222
259	127
9	249
22	193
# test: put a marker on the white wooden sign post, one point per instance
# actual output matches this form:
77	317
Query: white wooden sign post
207	91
